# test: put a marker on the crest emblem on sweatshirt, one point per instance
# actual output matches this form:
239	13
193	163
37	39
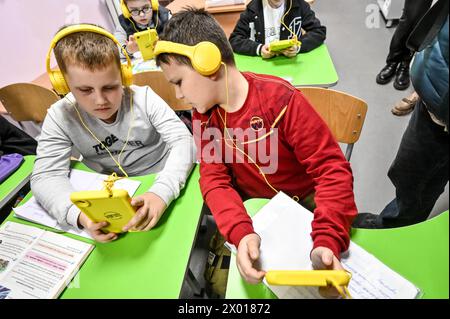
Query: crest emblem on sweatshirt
296	26
256	123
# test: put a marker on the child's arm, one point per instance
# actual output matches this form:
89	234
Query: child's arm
121	35
317	150
50	178
315	32
240	37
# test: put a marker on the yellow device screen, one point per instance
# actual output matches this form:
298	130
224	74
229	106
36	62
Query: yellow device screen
146	41
102	206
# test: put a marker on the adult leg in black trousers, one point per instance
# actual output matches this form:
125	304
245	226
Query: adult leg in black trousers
399	57
419	173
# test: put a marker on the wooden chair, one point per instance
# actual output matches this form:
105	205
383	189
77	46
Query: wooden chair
159	84
27	101
344	114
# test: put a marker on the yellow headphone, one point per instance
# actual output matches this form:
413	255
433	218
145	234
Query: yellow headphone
205	56
56	76
126	12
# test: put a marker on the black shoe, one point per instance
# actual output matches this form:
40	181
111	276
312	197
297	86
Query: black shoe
387	73
366	220
402	80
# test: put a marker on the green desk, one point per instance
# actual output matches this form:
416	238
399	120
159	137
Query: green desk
150	264
17	180
314	68
420	253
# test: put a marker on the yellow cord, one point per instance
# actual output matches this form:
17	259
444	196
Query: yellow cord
343	292
282	20
109	183
225	132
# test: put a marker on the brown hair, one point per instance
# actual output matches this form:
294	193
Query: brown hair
191	26
89	50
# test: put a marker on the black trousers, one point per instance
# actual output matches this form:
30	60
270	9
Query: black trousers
419	171
413	11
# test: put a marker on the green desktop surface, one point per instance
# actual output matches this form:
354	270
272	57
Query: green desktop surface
10	186
314	68
420	253
149	264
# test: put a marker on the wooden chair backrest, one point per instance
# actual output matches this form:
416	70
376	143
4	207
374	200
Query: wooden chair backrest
27	101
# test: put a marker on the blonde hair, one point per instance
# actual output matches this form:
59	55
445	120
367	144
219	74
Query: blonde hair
89	50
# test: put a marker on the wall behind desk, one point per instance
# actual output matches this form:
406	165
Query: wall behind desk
28	26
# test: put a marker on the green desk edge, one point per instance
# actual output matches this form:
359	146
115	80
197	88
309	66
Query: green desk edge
150	264
314	68
17	180
420	253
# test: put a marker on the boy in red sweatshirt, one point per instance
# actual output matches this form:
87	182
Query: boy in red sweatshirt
256	135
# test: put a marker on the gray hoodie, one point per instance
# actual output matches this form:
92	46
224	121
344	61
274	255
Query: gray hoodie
159	143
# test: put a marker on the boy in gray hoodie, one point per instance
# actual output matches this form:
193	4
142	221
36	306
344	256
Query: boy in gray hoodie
114	127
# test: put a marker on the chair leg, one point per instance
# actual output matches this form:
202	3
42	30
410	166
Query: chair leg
348	151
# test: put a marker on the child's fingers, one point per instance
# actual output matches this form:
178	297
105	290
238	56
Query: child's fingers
104	238
97	226
137	218
253	249
137	201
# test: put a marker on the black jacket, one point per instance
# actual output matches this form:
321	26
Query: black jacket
300	13
163	17
14	140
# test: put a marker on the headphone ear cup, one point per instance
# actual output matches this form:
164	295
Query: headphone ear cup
127	75
155	5
126	13
206	58
59	82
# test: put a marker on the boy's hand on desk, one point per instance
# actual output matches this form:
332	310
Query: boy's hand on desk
150	208
94	229
132	46
322	258
290	52
265	53
247	255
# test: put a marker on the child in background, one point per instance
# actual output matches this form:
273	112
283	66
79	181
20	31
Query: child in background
141	15
117	128
260	24
260	111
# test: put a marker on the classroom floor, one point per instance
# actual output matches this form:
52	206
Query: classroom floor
358	53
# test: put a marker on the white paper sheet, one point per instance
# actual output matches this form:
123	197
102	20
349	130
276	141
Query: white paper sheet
285	227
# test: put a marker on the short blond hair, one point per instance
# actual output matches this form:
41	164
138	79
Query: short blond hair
89	50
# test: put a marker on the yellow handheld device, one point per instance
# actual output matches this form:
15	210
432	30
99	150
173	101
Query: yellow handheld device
146	41
281	45
114	208
321	278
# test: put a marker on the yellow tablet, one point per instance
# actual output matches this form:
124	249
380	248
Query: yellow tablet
281	45
102	206
308	277
146	41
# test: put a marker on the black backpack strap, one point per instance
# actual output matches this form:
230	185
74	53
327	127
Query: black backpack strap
429	26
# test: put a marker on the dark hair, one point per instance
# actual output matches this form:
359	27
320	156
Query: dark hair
89	50
191	26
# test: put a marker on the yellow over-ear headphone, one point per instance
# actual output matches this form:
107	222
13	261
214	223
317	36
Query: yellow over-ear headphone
126	13
56	76
205	56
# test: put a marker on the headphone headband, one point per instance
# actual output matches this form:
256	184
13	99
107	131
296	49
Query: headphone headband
204	56
56	76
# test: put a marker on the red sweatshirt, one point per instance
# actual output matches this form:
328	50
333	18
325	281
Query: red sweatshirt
300	156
